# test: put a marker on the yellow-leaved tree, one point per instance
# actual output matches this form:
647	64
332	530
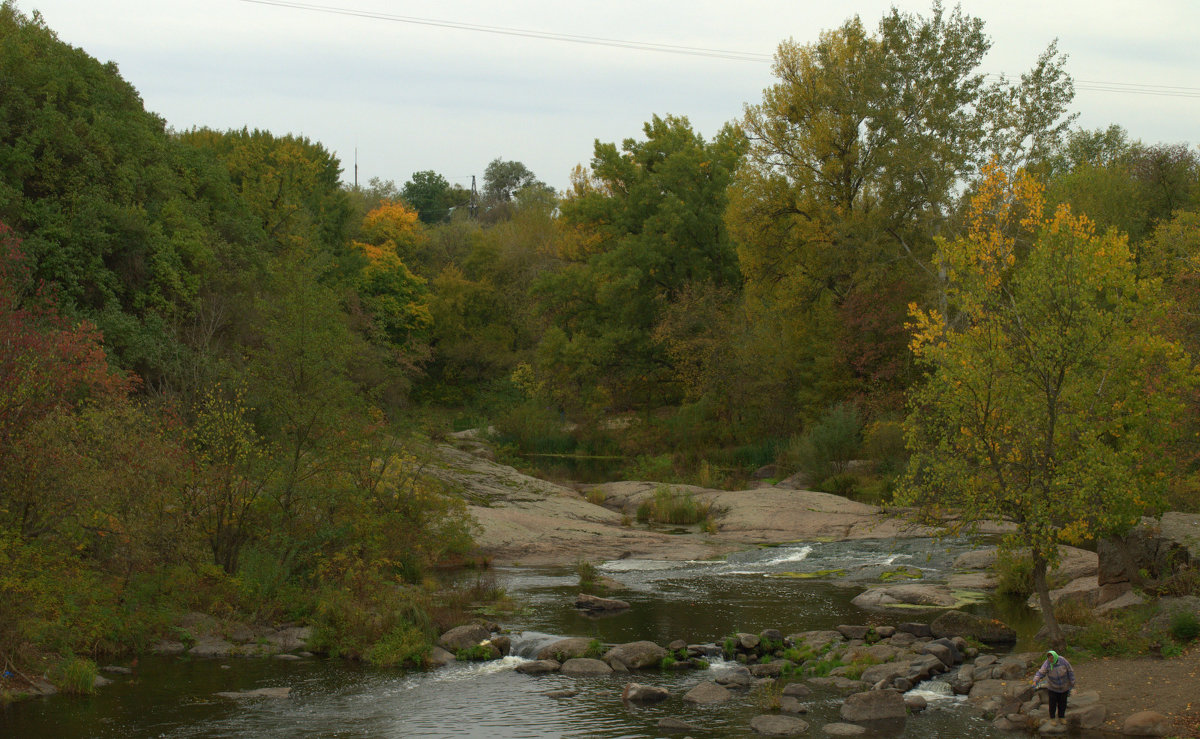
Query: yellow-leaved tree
1050	400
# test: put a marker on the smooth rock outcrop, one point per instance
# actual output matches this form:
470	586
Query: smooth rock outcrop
888	597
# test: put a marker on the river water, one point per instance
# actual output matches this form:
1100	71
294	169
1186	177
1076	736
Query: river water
695	601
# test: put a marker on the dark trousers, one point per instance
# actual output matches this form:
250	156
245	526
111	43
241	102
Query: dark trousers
1058	702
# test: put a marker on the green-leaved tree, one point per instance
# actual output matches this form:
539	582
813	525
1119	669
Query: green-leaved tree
1051	399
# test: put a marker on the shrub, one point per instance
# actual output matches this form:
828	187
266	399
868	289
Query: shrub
1184	626
827	447
405	644
660	468
666	663
1074	612
534	429
596	496
883	443
1014	574
845	485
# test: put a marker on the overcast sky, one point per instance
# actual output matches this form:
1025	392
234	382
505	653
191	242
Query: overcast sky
413	96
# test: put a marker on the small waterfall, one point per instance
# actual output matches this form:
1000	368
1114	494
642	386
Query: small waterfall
936	690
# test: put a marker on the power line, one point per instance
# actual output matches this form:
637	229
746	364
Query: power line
1132	88
524	32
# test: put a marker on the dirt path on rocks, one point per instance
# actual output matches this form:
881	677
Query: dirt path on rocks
1126	686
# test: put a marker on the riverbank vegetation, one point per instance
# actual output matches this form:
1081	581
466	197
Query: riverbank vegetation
219	363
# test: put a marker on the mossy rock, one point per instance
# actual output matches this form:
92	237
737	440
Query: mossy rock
814	575
901	573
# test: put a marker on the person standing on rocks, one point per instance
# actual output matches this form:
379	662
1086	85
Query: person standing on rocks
1060	678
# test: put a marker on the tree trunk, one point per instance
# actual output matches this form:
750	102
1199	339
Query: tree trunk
1054	633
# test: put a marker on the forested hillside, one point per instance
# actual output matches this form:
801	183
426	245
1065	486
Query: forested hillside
216	356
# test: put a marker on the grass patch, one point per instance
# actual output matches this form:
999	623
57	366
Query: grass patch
587	572
595	650
668	506
1123	635
75	675
478	653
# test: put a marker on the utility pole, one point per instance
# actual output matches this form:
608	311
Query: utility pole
356	168
474	198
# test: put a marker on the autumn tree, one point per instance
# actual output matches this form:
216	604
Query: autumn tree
856	154
394	298
1051	396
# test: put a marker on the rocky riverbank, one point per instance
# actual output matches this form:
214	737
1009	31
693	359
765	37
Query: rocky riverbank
879	676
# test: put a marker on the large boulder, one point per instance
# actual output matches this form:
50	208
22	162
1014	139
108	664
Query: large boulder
439	657
1147	723
565	649
853	631
636	655
837	682
815	640
887	671
638	693
464	637
774	725
538	667
1155	547
874	705
596	604
944	652
584	667
890	597
961	623
707	692
1089	716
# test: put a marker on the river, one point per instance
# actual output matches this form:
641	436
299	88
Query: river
694	601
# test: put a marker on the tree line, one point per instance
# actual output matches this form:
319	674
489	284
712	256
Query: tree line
215	350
